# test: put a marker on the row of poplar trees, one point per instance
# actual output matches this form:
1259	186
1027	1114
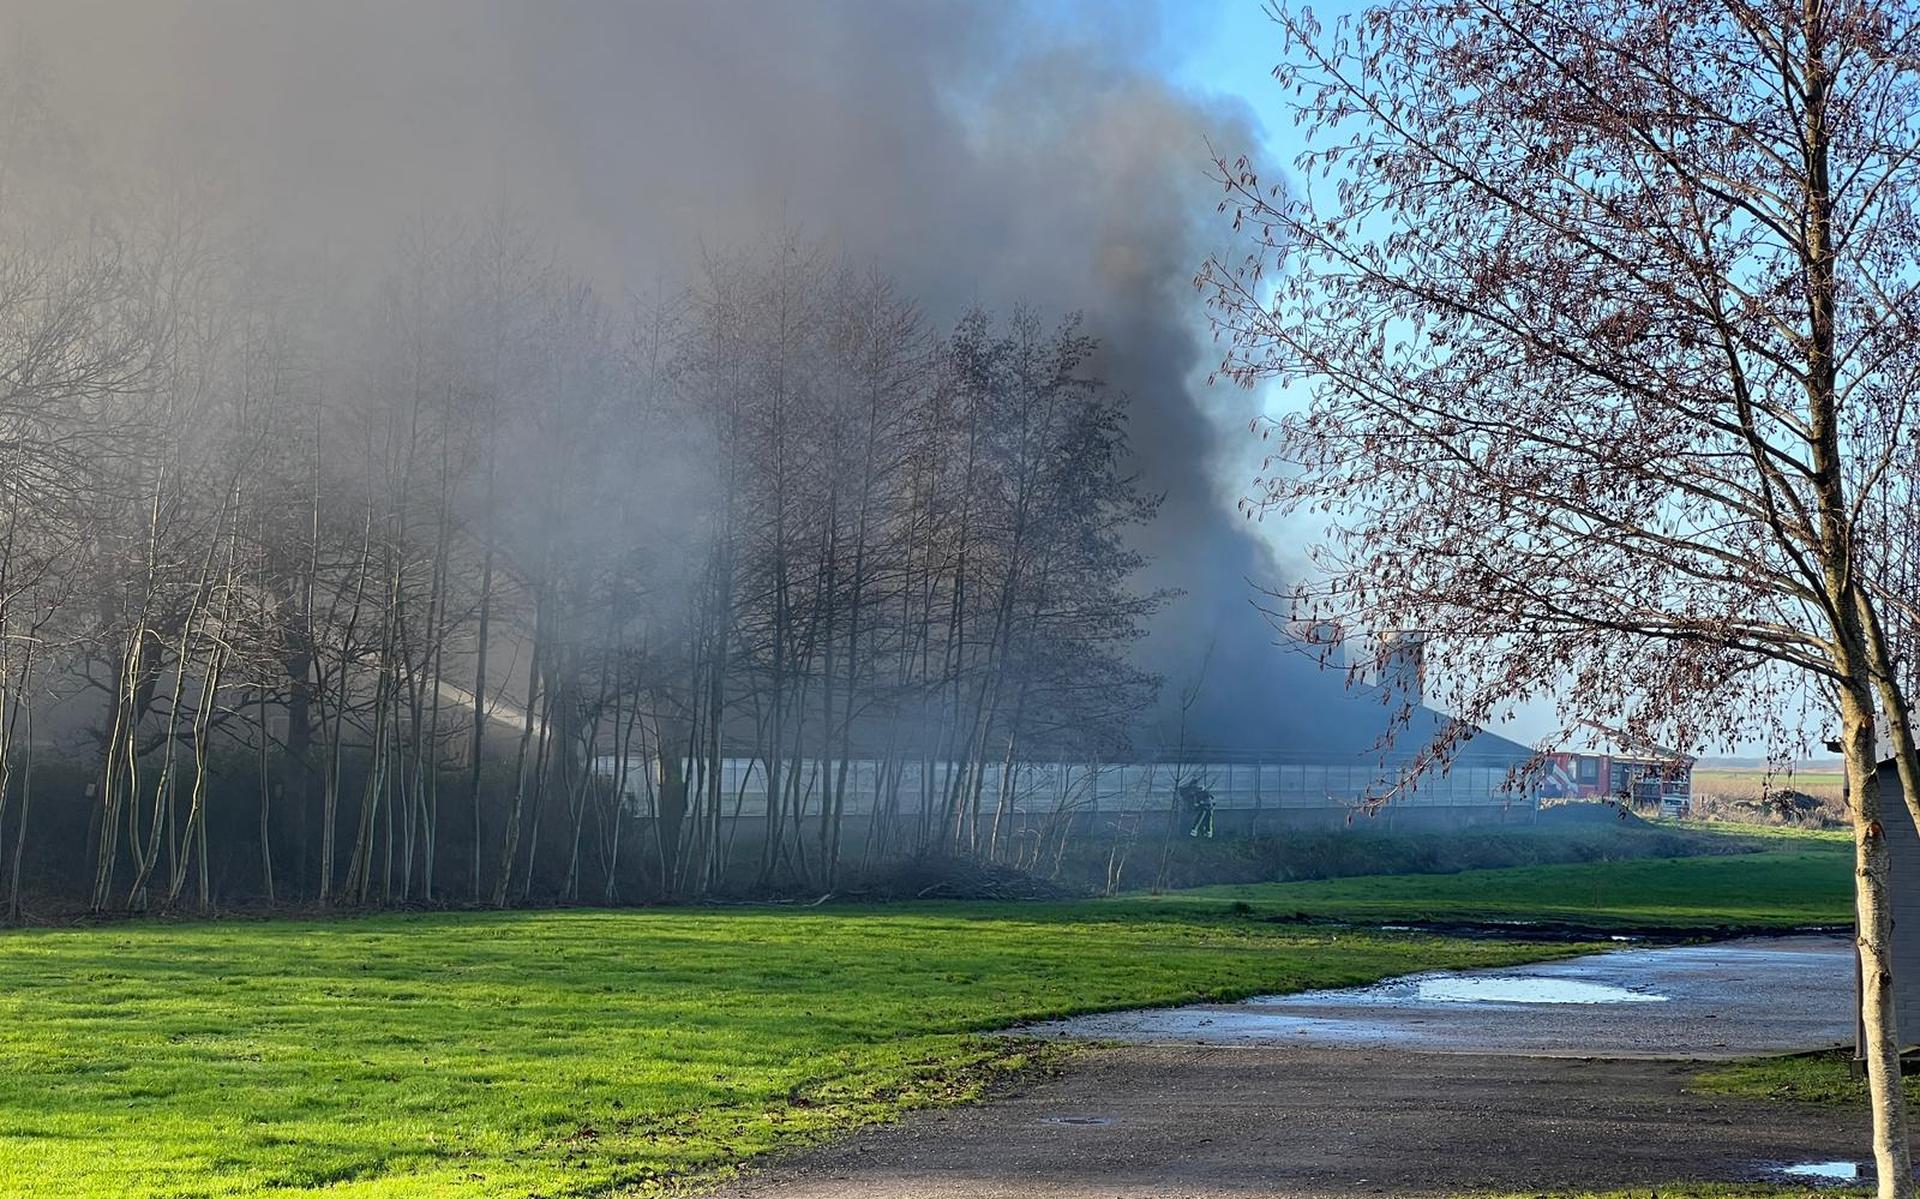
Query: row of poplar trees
462	584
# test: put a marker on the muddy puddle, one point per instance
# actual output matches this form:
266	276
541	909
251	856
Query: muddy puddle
1500	989
1732	999
1831	1172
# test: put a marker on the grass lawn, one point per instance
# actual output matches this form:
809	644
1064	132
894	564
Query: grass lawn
565	1052
558	1053
1797	879
1806	1077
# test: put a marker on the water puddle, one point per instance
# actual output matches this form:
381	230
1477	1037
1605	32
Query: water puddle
1733	999
1834	1171
1521	988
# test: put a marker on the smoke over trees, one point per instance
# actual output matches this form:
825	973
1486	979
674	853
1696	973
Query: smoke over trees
436	581
484	405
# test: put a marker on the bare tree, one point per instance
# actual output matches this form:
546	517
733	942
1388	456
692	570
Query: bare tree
776	535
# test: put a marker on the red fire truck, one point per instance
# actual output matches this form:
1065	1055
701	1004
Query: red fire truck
1665	781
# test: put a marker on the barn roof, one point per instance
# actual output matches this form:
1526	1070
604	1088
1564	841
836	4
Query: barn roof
1298	710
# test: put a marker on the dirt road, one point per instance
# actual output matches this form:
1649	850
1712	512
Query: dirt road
1197	1122
1432	1085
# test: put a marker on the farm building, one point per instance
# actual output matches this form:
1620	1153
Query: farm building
1312	756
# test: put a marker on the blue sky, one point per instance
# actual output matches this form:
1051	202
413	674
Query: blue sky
1227	49
1225	46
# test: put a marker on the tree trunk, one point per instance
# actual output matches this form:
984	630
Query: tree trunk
478	746
1878	1019
266	807
510	836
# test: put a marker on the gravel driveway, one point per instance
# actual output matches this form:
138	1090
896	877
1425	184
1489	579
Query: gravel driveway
1534	1078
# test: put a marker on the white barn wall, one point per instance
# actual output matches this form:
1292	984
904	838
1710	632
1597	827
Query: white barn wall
1046	788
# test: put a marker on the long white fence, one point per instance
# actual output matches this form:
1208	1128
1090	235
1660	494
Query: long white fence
1039	788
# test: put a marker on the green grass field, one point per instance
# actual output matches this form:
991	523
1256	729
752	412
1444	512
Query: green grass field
1798	879
569	1053
1803	1077
562	1053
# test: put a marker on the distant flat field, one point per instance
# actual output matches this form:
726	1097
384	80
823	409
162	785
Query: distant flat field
1734	782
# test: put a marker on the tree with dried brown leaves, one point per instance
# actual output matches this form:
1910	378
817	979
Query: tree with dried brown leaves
1604	317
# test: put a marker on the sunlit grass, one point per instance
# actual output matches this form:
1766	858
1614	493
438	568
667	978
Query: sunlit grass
1826	1077
1797	880
564	1053
580	1052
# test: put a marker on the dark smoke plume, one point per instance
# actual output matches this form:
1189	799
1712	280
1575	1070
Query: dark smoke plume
975	151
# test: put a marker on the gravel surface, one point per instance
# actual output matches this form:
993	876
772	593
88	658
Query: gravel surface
1535	1078
1200	1122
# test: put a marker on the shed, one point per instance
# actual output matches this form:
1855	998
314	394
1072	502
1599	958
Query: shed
1903	843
